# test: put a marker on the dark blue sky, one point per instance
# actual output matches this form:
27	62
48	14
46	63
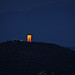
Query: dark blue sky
51	21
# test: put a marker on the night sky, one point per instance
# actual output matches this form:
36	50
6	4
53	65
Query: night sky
50	21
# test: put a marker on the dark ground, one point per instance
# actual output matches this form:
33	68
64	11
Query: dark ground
23	58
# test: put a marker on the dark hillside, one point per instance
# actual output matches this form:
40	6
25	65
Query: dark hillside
23	58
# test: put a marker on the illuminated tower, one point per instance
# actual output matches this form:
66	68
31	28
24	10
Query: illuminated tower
29	38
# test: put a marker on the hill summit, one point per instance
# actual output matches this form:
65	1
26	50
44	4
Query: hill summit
35	58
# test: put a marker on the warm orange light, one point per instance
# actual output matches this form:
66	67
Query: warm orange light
29	37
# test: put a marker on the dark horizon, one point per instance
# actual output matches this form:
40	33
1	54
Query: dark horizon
23	58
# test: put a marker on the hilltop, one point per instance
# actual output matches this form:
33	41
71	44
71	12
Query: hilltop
24	58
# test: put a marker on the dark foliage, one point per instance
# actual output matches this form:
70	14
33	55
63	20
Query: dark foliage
23	58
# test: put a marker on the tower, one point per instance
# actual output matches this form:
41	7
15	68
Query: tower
29	38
